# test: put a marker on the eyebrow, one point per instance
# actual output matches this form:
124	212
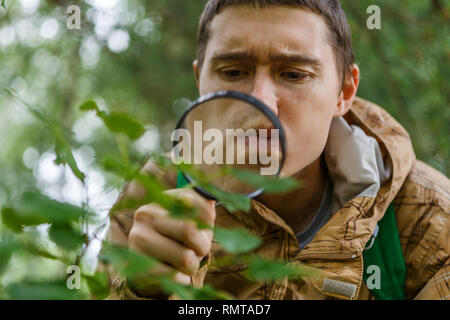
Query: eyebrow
278	57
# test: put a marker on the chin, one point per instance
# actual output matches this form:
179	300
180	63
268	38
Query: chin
292	170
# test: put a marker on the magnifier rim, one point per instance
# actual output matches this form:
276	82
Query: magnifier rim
245	98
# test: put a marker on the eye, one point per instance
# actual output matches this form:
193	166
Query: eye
233	74
295	76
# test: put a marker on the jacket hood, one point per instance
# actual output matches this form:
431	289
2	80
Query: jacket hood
355	163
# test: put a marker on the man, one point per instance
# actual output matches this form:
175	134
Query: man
357	162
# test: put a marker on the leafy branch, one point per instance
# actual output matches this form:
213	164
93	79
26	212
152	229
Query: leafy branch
68	224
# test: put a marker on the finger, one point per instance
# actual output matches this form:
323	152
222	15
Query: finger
148	212
148	241
185	232
181	230
206	207
177	276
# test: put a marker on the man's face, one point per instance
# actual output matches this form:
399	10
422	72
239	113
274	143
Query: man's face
282	56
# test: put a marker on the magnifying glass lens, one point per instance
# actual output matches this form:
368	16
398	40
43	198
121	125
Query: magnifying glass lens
224	135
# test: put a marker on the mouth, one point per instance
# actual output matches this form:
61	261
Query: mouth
260	129
256	145
261	139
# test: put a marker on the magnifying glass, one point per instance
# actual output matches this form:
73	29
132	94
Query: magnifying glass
224	133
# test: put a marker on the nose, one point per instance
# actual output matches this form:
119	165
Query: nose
264	90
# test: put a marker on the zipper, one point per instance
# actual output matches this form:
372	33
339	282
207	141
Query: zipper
327	256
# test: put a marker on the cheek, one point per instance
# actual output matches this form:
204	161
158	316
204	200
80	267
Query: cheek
307	125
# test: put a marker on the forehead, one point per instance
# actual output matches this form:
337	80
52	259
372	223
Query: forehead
269	30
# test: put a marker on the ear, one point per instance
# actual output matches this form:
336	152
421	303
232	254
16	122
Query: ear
348	92
195	68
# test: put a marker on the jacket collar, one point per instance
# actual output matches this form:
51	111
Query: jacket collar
337	248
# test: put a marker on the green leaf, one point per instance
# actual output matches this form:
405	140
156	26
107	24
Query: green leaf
39	113
263	270
122	123
10	220
3	293
236	240
190	293
116	166
64	154
62	148
117	122
3	4
38	290
154	190
30	246
6	249
66	236
127	262
98	285
34	209
209	293
89	105
162	160
231	201
270	184
171	287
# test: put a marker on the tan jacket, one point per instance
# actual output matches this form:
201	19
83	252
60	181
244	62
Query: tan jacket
421	198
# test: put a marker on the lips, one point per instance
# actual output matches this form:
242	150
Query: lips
259	127
263	137
267	131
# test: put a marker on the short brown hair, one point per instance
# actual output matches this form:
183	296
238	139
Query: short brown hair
330	10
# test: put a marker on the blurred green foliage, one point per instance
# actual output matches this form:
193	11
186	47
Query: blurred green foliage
135	58
66	227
